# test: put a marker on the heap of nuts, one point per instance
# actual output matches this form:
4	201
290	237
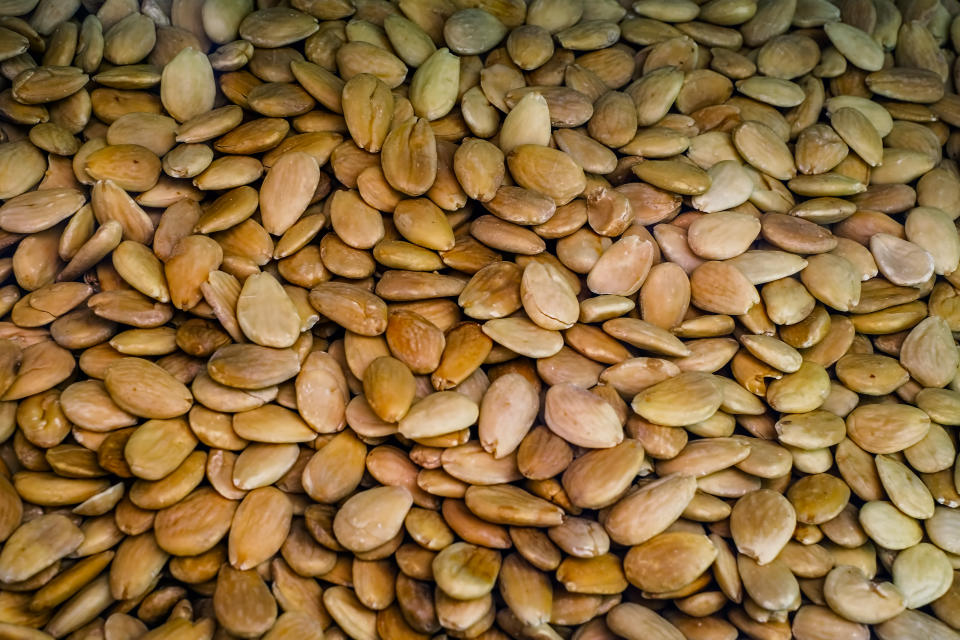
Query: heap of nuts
487	319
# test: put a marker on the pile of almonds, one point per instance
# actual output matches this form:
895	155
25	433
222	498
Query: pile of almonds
488	319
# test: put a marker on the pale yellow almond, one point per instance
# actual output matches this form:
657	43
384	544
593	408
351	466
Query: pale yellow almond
507	412
138	265
231	366
423	223
39	210
187	86
904	488
435	84
140	451
363	57
928	354
773	91
528	122
856	45
833	280
661	403
473	31
138	562
722	235
901	261
887	428
851	594
763	149
646	336
635	621
674	175
802	390
408	37
859	134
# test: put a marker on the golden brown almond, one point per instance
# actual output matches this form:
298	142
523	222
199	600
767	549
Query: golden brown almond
272	423
138	562
668	561
146	389
510	505
389	388
663	500
848	332
132	167
581	418
370	518
39	210
231	366
886	428
140	451
259	527
548	171
597	478
409	157
195	525
258	609
36	545
856	598
356	309
193	258
437	414
661	403
287	189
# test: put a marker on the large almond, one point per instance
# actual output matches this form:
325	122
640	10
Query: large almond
146	389
581	418
370	518
260	525
266	313
685	399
